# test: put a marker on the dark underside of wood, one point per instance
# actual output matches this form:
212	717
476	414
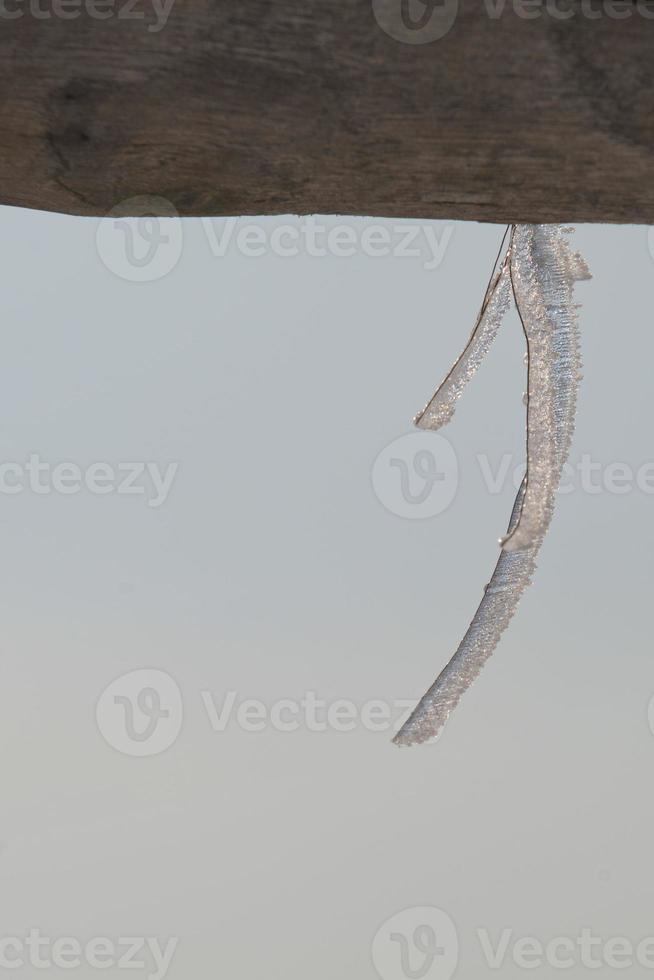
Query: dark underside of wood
331	106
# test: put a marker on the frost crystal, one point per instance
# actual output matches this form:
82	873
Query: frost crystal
541	269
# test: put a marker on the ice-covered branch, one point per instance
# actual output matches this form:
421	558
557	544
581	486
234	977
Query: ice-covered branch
542	269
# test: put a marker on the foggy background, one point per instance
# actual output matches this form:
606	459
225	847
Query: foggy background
277	566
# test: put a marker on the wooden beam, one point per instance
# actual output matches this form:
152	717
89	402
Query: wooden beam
330	106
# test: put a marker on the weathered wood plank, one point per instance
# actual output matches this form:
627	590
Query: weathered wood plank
274	106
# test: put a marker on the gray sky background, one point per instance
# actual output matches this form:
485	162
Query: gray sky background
273	569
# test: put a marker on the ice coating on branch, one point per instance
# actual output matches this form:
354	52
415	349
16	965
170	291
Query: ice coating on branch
511	577
441	408
543	271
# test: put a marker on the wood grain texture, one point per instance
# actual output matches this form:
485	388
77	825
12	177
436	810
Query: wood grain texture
303	106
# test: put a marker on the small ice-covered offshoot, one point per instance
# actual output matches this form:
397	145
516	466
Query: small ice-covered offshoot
440	409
